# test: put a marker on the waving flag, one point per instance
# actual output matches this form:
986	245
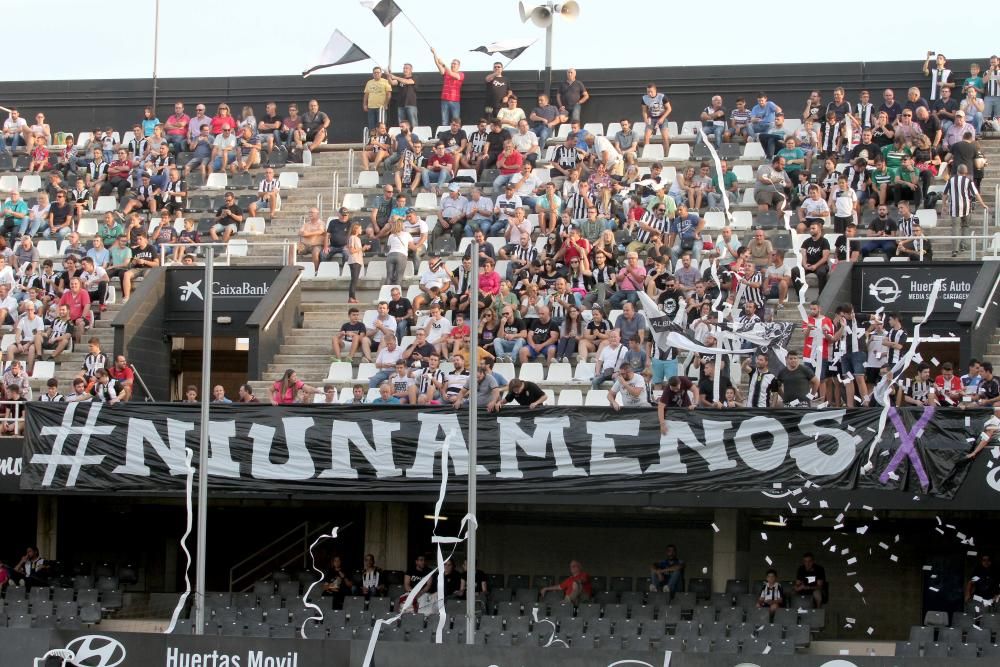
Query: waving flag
339	51
385	10
509	49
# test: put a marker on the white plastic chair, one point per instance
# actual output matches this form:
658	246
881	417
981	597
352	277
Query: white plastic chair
367	179
365	371
44	371
375	270
469	173
87	227
559	373
308	270
254	226
8	183
596	398
216	181
340	371
689	129
289	180
532	372
570	397
328	271
928	218
426	201
652	152
464	244
715	220
742	220
237	248
584	372
47	249
105	203
385	292
753	150
31	183
679	152
744	173
596	129
505	369
748	199
353	201
6	341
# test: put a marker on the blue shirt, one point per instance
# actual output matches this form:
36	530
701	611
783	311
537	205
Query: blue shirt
685	227
100	257
765	113
20	207
392	400
148	124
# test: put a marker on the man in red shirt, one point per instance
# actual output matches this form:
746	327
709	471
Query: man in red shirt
440	168
576	587
818	329
949	385
575	247
77	300
122	373
177	128
451	89
118	175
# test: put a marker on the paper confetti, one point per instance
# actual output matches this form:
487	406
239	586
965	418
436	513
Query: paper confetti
763	536
767	559
704	570
862	530
715	528
850	620
859	588
894	558
871	630
823	504
928	568
852	560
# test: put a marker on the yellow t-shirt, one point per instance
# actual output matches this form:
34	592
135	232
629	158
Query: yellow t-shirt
378	91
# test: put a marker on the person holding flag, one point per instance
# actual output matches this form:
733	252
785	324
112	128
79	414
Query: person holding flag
451	88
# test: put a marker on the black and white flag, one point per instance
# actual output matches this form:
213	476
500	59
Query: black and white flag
339	51
509	48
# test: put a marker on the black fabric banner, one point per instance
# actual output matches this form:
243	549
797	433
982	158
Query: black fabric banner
303	448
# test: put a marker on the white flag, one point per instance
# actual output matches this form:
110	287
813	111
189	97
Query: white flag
339	51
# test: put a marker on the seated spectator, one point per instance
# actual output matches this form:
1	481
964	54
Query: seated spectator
27	336
268	194
511	115
39	157
628	390
526	143
223	150
576	588
315	124
667	575
451	215
219	394
918	249
228	218
544	119
312	237
479	215
202	147
772	186
402	384
31	570
329	394
378	148
815	252
609	360
527	394
685	234
810	579
337	584
440	169
385	361
541	337
771	594
372	584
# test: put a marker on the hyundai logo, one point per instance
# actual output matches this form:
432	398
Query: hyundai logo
97	651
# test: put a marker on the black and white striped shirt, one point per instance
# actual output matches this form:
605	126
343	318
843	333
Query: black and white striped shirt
92	362
145	191
478	141
992	86
755	294
59	329
81	194
565	157
905	225
649	219
831	137
601	276
269	185
895	336
864	113
161	161
851	340
428	379
961	193
97	169
45	398
757	389
529	254
103	393
137	146
172	186
577	205
461	280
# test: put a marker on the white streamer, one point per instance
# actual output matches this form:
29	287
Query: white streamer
718	171
897	372
552	638
305	598
438	571
188	492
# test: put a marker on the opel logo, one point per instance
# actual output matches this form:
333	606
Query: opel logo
97	651
885	290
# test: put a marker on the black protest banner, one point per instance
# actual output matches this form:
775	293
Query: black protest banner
382	449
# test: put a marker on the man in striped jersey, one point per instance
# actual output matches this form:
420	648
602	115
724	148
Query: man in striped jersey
849	352
895	340
760	381
959	194
991	81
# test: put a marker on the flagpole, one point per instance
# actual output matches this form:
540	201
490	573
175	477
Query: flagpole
388	64
470	574
416	28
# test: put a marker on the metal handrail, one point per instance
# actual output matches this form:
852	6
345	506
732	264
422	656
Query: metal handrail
335	193
987	239
18	417
226	255
305	534
142	383
350	167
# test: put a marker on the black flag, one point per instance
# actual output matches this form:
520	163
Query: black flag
509	49
385	11
339	51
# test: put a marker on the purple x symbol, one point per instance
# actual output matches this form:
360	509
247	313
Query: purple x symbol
907	445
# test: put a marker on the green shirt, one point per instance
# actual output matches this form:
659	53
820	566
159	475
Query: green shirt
667	201
591	229
894	158
728	178
110	234
120	256
880	178
911	175
974	81
792	154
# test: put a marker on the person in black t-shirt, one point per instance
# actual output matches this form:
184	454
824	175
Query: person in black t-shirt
453	580
227	219
815	252
810	579
984	582
527	394
542	336
881	229
337	231
402	311
143	258
419	351
415	573
351	333
497	90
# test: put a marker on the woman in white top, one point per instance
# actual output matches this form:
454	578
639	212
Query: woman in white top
38	216
395	260
41	128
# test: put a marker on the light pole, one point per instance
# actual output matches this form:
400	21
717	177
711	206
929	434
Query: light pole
542	17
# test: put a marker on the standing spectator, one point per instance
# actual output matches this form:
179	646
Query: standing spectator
312	237
991	84
405	94
797	381
959	194
940	76
497	90
571	96
985	583
451	88
375	99
355	260
400	243
656	109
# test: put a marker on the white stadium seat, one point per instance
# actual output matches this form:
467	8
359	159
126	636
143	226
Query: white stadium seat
753	150
596	398
289	180
571	397
87	227
340	371
253	226
368	179
31	183
216	182
426	201
679	152
353	201
532	372
652	152
328	271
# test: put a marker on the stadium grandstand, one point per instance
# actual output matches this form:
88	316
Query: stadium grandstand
735	369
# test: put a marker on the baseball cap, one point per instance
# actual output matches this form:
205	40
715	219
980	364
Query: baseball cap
454	187
410	210
509	186
344	210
